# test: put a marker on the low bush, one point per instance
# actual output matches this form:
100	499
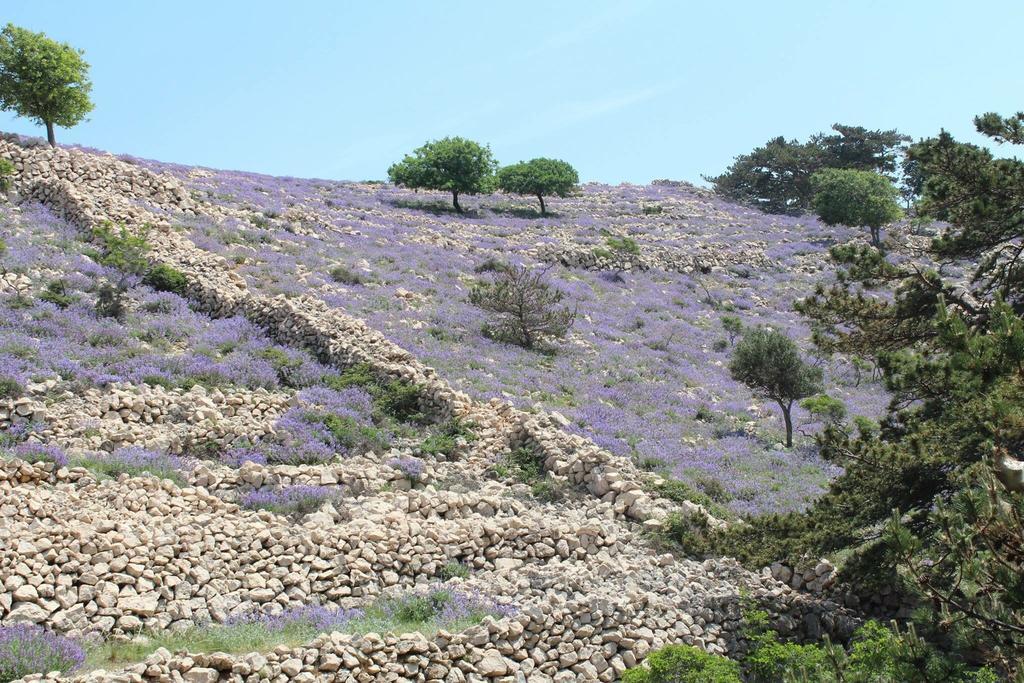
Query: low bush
684	664
298	499
6	174
56	293
10	388
164	278
345	276
396	399
135	461
29	649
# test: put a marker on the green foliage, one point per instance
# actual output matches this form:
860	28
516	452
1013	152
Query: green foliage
444	441
164	278
684	664
346	277
824	408
623	245
10	388
6	171
776	178
453	570
353	436
978	580
876	655
121	249
57	294
392	398
43	80
652	209
525	310
453	164
538	178
110	301
769	363
851	197
732	326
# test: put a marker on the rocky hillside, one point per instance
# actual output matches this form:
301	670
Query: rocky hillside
290	416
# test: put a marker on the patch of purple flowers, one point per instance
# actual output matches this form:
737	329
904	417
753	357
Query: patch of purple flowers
321	618
297	499
29	649
32	451
411	467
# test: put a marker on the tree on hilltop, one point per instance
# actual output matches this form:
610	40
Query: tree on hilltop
537	178
776	177
855	198
453	164
43	80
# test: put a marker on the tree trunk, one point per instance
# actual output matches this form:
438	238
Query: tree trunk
455	201
788	417
50	137
876	237
541	198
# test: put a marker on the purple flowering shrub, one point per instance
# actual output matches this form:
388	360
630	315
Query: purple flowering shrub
299	499
29	649
136	461
327	424
410	467
32	451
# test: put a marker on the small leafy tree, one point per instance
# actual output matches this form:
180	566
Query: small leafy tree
853	197
452	164
733	327
768	362
43	80
537	178
684	664
525	309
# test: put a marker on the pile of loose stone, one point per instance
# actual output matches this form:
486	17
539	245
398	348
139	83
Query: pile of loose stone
84	556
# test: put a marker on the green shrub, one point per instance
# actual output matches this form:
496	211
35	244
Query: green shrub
10	388
56	293
353	436
6	172
649	209
453	570
623	245
684	664
343	275
397	399
164	278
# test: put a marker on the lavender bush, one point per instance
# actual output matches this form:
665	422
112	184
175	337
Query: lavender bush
297	499
411	468
31	451
136	461
29	649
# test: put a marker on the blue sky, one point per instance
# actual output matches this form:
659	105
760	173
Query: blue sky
626	91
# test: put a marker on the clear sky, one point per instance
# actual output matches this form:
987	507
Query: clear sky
626	91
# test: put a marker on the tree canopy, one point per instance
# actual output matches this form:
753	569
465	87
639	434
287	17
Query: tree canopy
538	178
856	198
43	80
452	164
776	178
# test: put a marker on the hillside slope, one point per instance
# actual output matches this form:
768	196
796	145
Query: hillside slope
414	443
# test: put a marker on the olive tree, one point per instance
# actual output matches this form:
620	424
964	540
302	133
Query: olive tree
453	165
851	197
538	178
43	80
769	363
